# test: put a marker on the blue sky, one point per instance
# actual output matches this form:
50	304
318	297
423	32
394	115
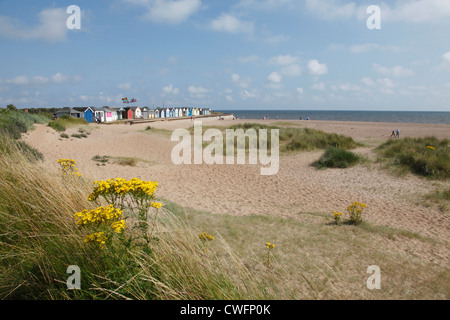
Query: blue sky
227	55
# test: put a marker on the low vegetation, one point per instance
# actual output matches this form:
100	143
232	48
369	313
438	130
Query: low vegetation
427	156
337	158
64	122
15	122
294	139
39	239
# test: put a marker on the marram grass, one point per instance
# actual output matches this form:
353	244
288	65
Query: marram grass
39	239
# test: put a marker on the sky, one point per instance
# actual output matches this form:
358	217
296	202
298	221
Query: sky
227	54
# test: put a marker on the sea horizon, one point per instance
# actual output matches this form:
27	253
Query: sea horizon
431	117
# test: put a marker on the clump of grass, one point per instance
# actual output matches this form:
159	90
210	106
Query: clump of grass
79	136
132	162
64	135
102	160
337	158
439	197
427	156
64	122
299	139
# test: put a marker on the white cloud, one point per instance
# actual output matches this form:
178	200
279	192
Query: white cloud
275	39
415	11
60	78
396	71
228	23
275	77
283	60
445	61
124	86
170	89
368	82
246	94
168	11
52	27
348	87
241	82
57	78
386	85
300	90
198	92
331	9
247	59
316	68
367	47
293	70
319	86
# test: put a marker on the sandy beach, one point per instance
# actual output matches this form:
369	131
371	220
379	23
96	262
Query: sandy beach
240	190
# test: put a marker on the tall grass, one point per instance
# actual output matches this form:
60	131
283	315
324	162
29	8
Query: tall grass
296	139
429	156
64	122
39	240
16	122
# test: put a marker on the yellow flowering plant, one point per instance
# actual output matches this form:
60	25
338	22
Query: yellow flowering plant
205	238
337	216
269	247
135	195
68	166
355	211
105	221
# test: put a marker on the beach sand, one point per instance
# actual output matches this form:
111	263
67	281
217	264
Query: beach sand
241	190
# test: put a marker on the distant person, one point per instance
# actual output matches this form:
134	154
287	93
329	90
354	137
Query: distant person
393	134
398	133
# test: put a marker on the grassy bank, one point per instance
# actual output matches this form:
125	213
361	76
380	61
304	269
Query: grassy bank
427	156
15	122
290	139
64	122
39	240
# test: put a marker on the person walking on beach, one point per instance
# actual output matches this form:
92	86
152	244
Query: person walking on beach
393	134
398	133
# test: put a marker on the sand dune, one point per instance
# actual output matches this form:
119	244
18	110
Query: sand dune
241	190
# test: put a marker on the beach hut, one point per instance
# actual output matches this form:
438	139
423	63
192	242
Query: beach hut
110	114
71	112
152	114
99	113
128	113
145	112
136	113
89	114
121	113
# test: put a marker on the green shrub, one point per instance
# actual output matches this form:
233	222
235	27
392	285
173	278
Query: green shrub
427	156
337	158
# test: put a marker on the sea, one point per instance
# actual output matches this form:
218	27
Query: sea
365	116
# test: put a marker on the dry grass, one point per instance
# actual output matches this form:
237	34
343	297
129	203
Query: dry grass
316	259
